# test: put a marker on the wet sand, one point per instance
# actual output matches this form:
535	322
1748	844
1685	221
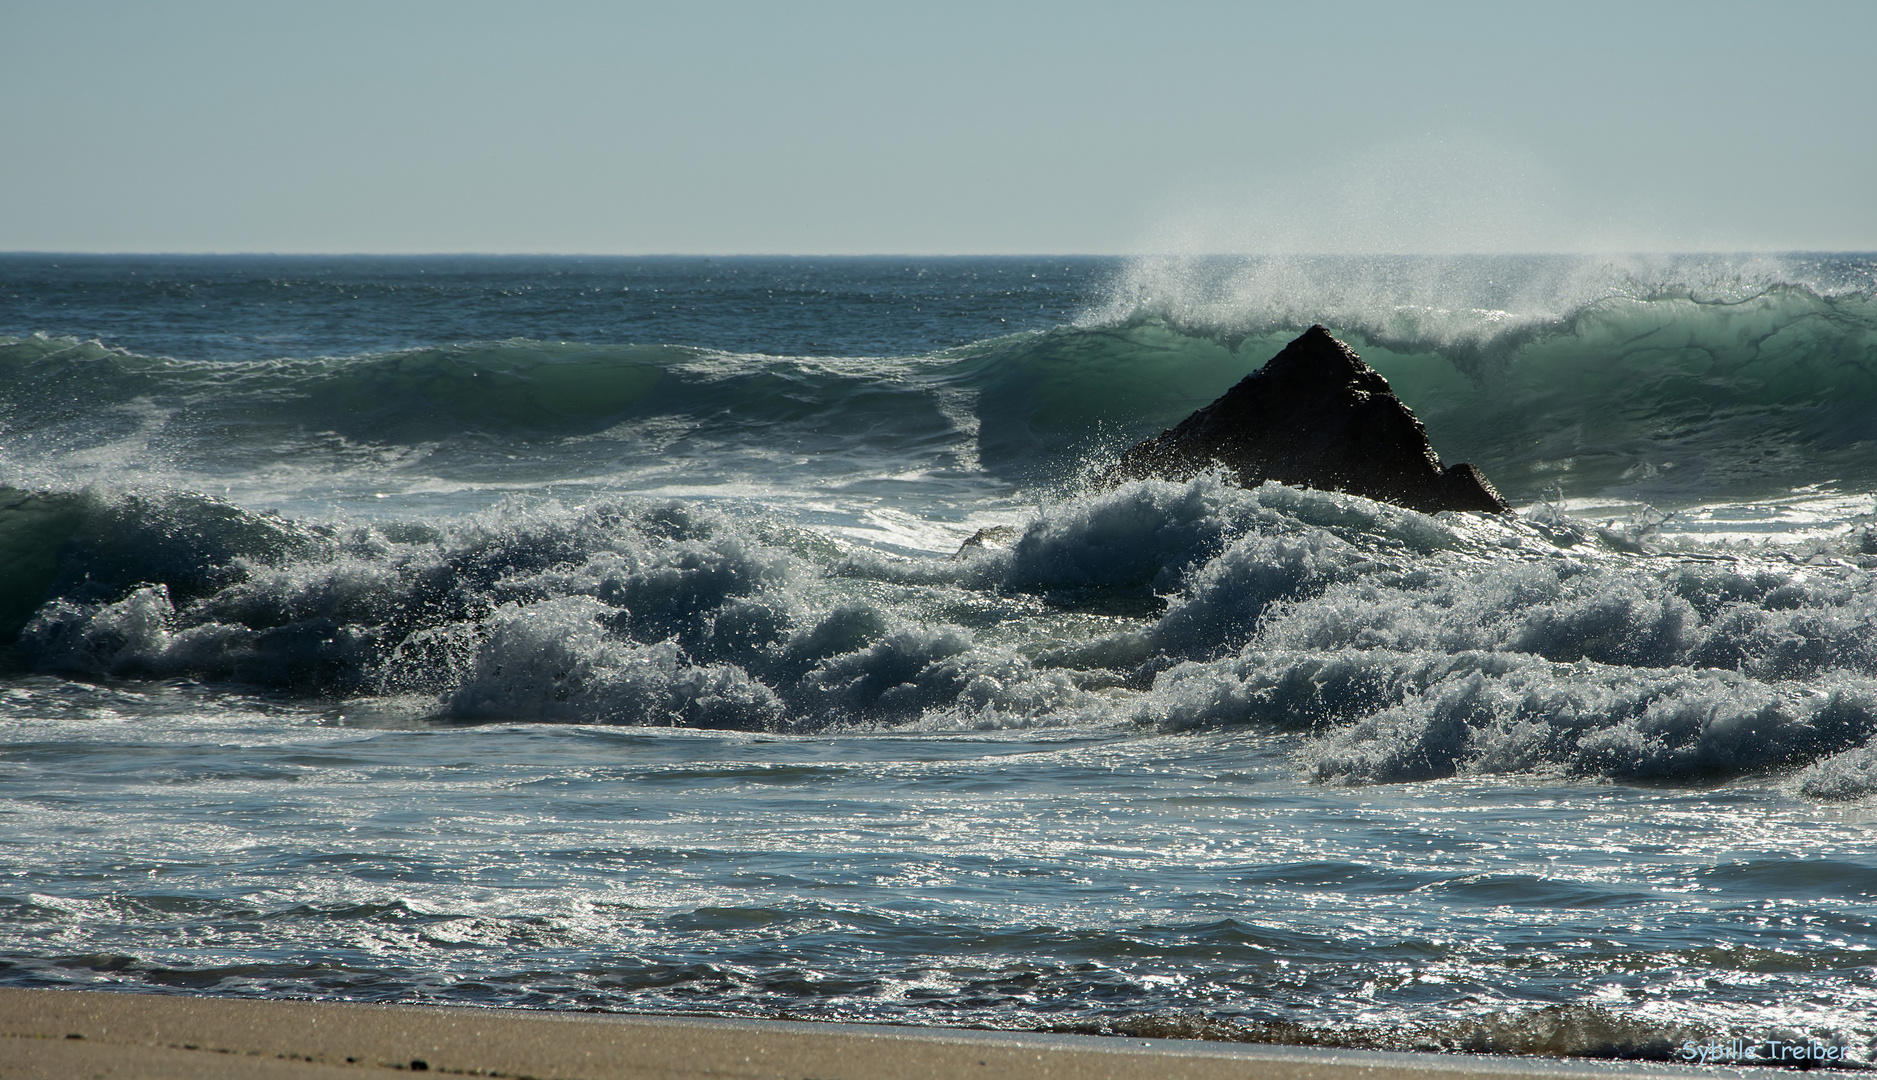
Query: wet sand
66	1033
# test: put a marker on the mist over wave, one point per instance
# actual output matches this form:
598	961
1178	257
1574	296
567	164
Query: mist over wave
1475	301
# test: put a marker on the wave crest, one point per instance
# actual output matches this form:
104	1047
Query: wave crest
1397	646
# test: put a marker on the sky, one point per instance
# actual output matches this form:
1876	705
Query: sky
937	128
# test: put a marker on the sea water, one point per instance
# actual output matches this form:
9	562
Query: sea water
600	634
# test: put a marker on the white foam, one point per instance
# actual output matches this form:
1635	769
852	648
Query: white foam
1410	646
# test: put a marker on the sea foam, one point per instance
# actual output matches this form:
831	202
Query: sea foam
1406	646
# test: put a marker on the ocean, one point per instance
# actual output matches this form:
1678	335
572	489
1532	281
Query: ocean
599	634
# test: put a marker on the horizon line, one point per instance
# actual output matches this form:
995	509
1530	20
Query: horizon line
1586	253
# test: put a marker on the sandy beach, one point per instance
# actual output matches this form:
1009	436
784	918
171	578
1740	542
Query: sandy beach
55	1033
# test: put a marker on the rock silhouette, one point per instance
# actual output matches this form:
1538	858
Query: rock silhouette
1315	416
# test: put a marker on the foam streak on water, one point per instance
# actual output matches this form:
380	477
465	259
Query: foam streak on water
581	634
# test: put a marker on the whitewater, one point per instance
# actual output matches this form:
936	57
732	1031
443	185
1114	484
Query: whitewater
572	633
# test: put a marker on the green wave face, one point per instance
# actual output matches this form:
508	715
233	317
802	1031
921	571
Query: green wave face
1666	397
32	528
504	387
1074	390
514	387
1669	398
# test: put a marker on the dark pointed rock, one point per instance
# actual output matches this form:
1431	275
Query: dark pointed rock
1315	416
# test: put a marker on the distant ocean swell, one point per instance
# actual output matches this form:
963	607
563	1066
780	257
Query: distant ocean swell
1410	647
1669	397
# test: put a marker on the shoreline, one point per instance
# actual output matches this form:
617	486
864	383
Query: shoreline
64	1033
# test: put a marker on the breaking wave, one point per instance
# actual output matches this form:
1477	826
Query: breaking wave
1675	377
1398	646
1632	384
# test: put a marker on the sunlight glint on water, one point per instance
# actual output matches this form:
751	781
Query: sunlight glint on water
587	633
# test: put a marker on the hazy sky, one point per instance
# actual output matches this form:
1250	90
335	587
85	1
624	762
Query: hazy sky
937	128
